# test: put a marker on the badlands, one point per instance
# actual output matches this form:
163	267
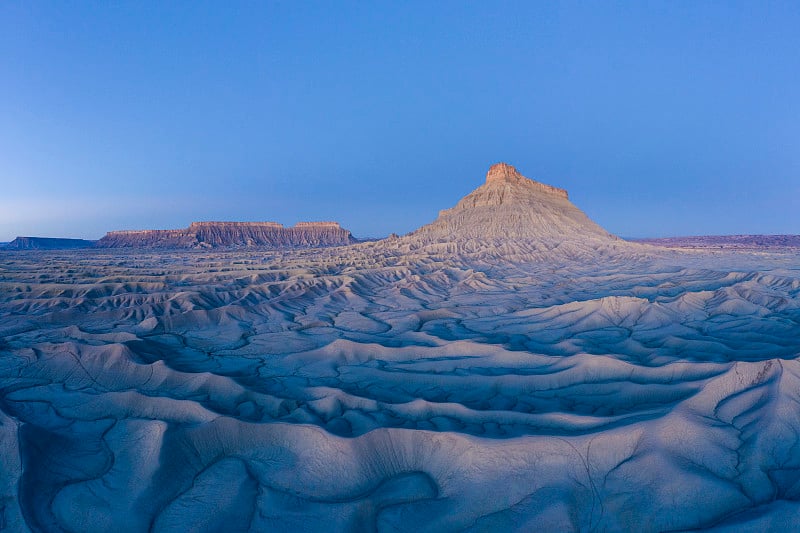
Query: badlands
511	366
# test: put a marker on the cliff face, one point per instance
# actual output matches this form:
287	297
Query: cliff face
233	234
47	243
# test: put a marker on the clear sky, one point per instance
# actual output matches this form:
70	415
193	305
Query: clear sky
672	118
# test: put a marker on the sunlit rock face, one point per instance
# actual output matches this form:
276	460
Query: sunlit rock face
410	384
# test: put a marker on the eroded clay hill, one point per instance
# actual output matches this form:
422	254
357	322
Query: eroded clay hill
511	206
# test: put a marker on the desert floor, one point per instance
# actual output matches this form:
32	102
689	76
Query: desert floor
385	387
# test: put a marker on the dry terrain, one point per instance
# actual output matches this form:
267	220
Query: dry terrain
511	366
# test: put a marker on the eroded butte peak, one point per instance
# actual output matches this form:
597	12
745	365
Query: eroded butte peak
511	206
503	174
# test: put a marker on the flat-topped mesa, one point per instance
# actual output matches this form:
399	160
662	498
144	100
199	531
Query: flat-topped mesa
273	235
47	243
503	173
213	234
148	238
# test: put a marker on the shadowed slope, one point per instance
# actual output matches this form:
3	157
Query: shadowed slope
233	235
47	243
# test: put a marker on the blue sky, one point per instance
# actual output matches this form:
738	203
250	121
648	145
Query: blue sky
671	118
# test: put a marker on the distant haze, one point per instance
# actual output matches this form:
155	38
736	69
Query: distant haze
659	119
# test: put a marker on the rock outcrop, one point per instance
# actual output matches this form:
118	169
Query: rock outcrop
233	234
47	243
511	206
